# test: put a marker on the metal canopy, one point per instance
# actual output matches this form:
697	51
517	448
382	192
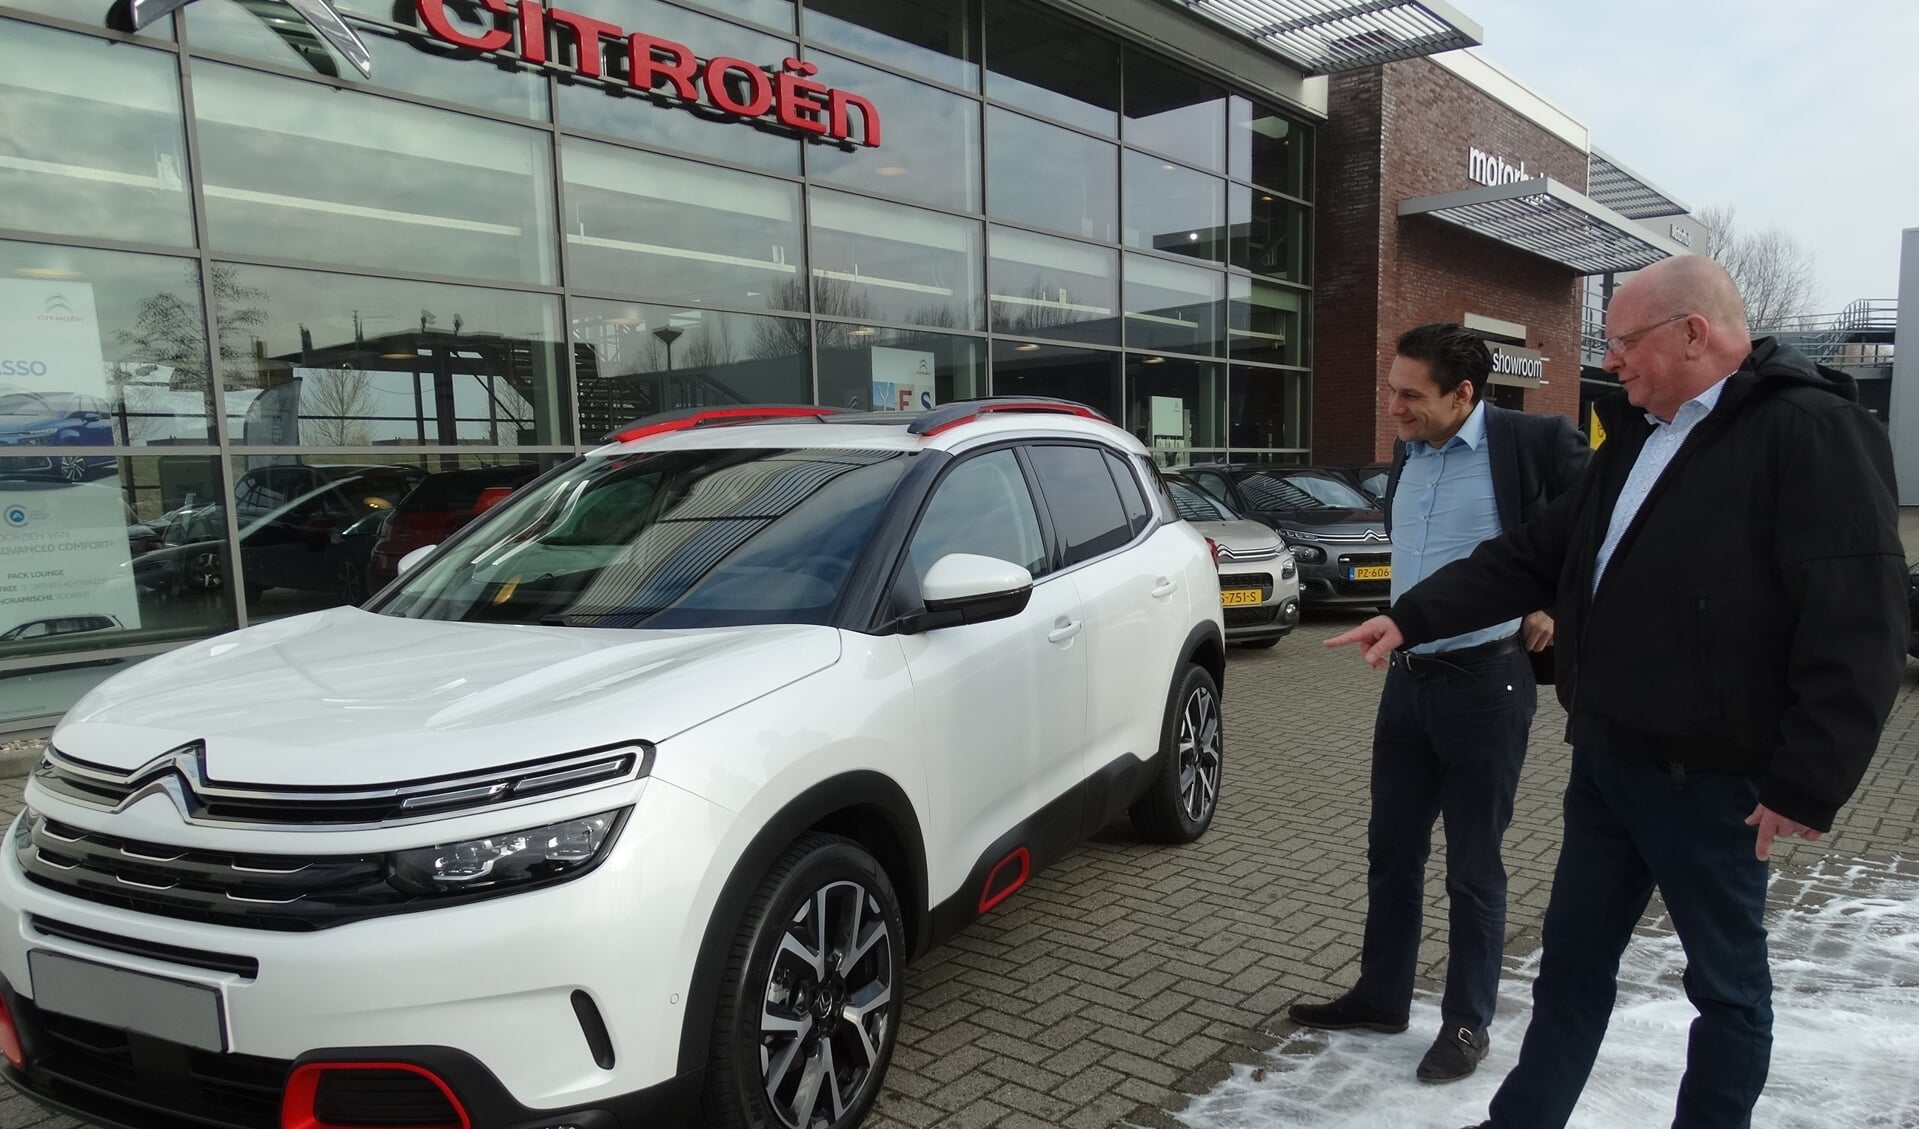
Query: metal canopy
1552	221
1625	191
1326	36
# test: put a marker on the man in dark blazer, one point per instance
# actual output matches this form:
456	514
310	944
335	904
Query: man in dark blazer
1454	715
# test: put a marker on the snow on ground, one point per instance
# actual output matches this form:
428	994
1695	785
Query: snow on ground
1845	959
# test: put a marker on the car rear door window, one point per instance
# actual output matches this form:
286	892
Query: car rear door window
1131	499
1084	503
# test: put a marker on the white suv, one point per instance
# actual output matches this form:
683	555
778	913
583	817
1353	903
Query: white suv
628	804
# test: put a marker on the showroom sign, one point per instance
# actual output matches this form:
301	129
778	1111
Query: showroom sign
1516	366
528	30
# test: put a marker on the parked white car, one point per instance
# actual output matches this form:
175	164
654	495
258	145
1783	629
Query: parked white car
632	800
1258	576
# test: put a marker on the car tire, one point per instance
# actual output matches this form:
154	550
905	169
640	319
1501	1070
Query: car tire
349	583
72	468
206	572
1180	802
784	976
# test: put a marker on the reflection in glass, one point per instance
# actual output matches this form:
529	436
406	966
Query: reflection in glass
413	62
1271	409
1052	65
94	13
1174	112
669	229
1173	209
327	531
297	170
635	360
91	138
1268	322
1083	376
929	146
1268	148
330	360
1270	235
1050	177
662	119
84	325
97	563
1046	287
888	262
1174	307
772	13
871	368
1174	403
934	38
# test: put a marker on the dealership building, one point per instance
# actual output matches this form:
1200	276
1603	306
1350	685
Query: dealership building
267	271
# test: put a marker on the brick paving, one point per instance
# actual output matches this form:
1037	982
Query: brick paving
1129	976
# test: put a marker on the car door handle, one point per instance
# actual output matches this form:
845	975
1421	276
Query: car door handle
1064	629
1164	588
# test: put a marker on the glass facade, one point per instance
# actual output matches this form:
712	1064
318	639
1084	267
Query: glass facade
272	323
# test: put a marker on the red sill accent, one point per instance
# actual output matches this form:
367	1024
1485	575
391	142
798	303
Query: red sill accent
719	415
987	898
296	1108
10	1039
1018	406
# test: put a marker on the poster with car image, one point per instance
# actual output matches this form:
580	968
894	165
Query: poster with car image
53	383
64	561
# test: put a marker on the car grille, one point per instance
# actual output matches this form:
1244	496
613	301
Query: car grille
120	1076
1265	553
182	773
281	892
1262	580
1250	617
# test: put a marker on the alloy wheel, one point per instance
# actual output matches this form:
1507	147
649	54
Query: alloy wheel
205	574
826	1008
73	468
1198	750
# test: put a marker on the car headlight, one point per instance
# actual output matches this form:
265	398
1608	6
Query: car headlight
1308	554
472	865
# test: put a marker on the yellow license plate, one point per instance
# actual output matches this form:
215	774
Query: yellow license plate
1238	597
1372	572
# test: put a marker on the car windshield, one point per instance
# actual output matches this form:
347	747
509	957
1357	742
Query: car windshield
674	539
1193	505
1296	491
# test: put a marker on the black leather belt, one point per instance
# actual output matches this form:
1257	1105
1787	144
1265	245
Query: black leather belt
1453	662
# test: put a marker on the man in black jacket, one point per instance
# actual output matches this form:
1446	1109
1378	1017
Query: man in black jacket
1455	713
1728	586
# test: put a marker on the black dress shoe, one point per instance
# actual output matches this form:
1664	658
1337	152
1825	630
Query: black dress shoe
1454	1055
1343	1014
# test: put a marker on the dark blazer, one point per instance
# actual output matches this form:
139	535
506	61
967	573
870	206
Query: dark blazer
1535	458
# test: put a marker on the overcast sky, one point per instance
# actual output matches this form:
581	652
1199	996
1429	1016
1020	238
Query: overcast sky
1798	113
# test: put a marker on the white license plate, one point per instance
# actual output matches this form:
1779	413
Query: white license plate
174	1010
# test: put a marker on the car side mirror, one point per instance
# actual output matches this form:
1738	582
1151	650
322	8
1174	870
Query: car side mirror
413	558
964	588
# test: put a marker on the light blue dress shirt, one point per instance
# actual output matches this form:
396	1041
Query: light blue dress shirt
1654	457
1443	508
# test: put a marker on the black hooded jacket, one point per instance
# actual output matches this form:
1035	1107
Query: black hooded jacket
1753	615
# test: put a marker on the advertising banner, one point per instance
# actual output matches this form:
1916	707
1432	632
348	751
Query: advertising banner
902	380
50	339
63	557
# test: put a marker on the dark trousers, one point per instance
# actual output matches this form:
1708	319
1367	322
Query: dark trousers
1633	823
1449	741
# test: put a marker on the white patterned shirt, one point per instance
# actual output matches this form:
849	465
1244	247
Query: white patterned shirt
1654	457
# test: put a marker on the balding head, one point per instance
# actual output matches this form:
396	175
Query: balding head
1684	326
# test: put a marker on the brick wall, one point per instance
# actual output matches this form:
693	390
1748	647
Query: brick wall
1395	133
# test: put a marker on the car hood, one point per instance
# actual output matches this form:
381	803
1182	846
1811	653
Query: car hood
1240	536
1330	520
348	697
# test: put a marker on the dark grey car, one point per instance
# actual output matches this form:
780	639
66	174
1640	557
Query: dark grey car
1336	535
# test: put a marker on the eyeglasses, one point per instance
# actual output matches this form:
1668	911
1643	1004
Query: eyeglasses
1624	341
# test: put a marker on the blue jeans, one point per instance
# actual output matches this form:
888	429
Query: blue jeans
1449	742
1633	823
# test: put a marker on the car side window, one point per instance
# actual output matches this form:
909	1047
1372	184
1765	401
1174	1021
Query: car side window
1138	514
1081	496
982	506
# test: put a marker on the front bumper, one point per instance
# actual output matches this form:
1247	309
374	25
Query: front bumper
487	995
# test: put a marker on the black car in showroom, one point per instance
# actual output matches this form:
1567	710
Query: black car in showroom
1336	534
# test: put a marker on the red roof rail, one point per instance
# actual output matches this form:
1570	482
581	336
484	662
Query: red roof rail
948	416
687	419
